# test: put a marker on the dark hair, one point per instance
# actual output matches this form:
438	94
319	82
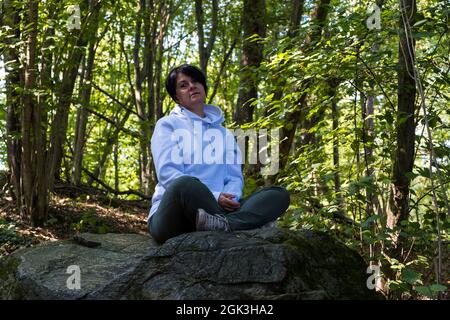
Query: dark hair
195	73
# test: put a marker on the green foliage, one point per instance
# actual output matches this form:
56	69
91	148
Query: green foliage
431	291
364	63
410	281
9	235
89	223
250	186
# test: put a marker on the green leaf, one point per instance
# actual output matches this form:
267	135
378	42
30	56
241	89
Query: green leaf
419	35
425	291
369	220
424	172
431	291
411	175
438	287
419	23
411	276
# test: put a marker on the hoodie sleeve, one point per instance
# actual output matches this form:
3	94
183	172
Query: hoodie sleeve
162	146
234	181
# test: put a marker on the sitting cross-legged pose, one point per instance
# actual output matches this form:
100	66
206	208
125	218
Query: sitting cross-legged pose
198	166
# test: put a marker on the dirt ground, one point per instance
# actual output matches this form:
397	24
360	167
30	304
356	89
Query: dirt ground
69	216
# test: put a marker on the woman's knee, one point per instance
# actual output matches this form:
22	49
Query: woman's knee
183	180
184	183
282	194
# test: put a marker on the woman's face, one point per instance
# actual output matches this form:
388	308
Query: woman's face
189	93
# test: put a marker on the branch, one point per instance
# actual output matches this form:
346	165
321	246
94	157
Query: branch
222	66
212	36
114	123
116	192
123	105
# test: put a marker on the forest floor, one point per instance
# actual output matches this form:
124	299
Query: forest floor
71	213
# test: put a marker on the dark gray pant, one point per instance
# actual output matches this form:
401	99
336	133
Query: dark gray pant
177	210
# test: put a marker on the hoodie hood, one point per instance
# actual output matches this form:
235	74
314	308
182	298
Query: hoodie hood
214	115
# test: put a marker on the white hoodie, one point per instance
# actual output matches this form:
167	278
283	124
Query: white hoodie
176	152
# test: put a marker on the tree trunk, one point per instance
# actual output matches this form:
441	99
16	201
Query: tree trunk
156	17
116	168
296	12
111	140
368	143
221	69
299	115
34	178
253	18
253	21
149	54
140	104
404	156
205	52
82	113
11	18
64	99
294	22
333	84
163	28
369	138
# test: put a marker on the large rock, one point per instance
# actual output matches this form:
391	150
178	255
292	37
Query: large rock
257	264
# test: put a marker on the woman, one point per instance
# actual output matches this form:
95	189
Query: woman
199	188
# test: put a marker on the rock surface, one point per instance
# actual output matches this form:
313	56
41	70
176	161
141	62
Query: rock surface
267	263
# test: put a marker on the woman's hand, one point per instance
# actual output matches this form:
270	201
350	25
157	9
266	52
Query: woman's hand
227	203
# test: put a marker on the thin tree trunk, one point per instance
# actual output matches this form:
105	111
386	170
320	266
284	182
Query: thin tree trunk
163	27
80	124
293	31
368	144
112	138
205	51
64	95
116	168
221	69
296	12
299	115
369	138
149	54
11	18
367	115
404	156
333	84
139	102
86	89
253	17
253	21
34	179
156	22
47	83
